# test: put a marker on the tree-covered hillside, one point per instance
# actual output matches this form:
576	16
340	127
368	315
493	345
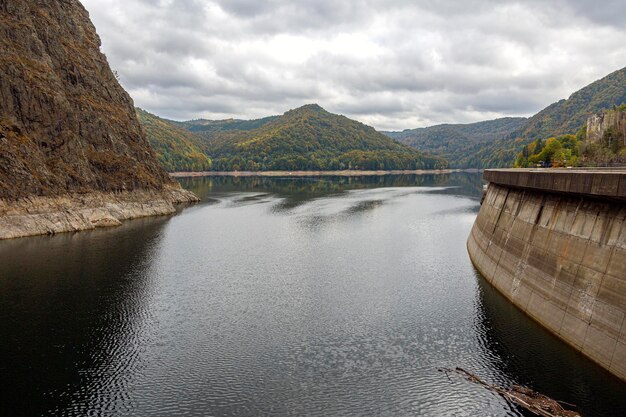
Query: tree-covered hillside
561	118
310	138
176	148
460	143
207	127
496	143
567	116
605	147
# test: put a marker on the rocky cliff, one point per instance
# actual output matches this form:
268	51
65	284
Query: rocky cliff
612	122
67	128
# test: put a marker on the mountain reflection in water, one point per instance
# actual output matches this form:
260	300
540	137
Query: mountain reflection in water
277	296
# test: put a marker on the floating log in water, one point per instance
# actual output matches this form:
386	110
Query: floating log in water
525	397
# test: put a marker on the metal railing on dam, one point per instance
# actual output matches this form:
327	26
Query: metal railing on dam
553	241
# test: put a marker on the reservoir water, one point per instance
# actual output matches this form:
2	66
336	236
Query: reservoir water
277	296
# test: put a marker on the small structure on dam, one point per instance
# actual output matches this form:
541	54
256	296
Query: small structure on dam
554	243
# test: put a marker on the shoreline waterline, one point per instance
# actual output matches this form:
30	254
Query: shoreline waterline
341	173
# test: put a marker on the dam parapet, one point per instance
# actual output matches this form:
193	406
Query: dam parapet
605	183
554	243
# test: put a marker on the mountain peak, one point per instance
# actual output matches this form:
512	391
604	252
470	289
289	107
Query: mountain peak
311	107
310	138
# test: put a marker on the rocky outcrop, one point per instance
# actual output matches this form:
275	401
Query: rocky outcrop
612	122
73	212
67	128
554	243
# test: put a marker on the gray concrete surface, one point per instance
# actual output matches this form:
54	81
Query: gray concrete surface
554	243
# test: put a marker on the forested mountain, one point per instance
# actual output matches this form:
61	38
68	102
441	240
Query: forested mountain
496	143
177	149
601	141
459	143
561	118
309	138
207	127
567	116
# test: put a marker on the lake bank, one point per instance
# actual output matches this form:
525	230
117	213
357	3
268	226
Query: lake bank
40	215
342	173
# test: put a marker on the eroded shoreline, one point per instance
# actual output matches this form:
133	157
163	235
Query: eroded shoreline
36	215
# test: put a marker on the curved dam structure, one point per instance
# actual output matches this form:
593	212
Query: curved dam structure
554	243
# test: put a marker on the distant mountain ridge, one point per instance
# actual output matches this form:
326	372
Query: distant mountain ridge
458	142
496	143
205	125
311	138
306	138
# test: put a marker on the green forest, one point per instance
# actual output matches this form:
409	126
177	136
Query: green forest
576	150
497	143
566	117
310	138
176	148
462	144
557	151
307	138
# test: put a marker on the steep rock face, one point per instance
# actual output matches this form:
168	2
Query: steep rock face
66	125
72	153
599	124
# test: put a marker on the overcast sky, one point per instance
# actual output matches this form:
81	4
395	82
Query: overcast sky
393	64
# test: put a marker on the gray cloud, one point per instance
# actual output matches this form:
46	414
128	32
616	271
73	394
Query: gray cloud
394	64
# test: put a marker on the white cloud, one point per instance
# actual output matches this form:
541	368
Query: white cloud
393	64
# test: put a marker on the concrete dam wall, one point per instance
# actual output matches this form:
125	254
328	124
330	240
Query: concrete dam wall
554	243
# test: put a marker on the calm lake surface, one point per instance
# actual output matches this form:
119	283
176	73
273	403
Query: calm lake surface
277	296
